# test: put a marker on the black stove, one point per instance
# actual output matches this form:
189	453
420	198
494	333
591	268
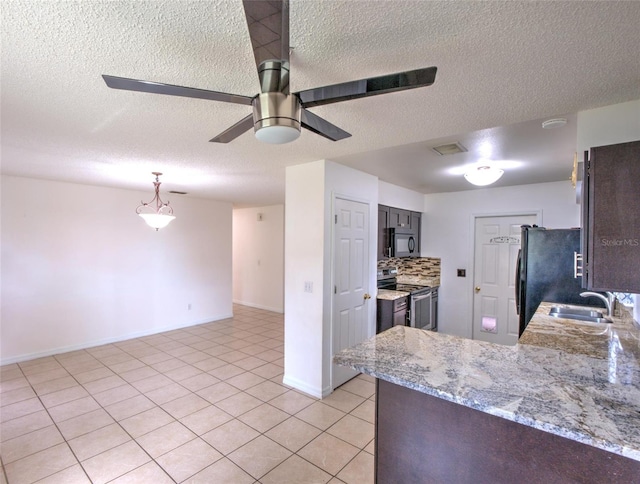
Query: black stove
422	301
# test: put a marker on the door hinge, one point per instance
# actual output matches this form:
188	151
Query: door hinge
335	289
336	219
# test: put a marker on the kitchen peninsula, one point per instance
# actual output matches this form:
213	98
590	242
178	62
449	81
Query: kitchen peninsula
563	405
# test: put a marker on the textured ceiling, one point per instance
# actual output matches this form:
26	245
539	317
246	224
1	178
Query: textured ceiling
502	68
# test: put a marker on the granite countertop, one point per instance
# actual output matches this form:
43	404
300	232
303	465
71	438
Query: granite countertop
578	380
390	295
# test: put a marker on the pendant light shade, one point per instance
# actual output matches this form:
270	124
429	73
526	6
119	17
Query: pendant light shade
156	213
482	175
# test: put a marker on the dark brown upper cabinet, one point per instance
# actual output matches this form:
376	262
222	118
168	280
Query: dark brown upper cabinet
384	242
611	218
400	218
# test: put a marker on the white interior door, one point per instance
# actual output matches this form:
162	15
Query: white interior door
351	282
497	240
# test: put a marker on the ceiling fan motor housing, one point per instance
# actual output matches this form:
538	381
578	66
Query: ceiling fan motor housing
274	76
276	110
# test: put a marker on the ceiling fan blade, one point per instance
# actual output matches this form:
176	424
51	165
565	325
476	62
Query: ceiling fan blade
322	127
368	87
171	90
234	131
268	23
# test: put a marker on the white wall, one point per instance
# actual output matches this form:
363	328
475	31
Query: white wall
310	192
258	257
304	261
609	125
447	232
400	197
79	268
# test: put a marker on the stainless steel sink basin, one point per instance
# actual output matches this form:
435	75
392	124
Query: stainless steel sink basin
579	314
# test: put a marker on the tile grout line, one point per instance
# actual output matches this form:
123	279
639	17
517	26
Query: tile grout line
132	350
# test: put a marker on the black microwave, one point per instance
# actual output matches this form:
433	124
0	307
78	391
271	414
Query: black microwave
403	244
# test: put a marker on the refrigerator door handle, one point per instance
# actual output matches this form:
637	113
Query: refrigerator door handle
577	265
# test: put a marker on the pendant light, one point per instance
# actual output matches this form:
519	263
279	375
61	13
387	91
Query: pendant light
156	213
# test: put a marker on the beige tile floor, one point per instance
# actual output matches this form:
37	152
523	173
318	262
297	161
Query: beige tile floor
204	404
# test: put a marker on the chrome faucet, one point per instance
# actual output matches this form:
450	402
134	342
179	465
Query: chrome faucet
613	300
605	299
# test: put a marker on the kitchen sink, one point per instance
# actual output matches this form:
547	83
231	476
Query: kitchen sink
590	315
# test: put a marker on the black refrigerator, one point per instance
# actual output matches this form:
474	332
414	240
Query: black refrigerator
548	270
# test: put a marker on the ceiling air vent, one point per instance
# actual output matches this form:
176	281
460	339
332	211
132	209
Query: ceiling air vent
177	193
449	149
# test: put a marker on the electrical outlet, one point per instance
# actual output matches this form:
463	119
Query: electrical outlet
308	286
462	273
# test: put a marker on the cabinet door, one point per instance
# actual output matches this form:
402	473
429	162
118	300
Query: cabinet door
400	218
416	221
400	318
611	219
383	232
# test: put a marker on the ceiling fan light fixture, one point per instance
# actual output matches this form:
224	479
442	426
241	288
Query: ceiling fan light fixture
277	135
482	175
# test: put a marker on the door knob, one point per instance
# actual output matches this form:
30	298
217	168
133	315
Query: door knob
477	288
366	296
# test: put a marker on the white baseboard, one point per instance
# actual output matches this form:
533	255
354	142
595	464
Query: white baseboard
259	306
105	341
304	387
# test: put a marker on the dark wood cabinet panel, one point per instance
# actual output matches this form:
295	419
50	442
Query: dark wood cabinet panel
416	222
400	218
611	218
421	438
391	313
384	244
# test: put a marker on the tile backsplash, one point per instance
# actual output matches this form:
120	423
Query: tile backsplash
415	270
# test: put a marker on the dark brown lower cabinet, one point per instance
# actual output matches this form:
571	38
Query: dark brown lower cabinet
424	439
391	313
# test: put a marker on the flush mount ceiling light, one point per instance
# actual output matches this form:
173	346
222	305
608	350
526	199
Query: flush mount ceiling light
482	174
554	123
156	213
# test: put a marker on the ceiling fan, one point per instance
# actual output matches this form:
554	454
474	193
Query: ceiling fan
278	114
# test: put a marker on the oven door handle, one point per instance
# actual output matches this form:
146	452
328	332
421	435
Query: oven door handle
420	297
